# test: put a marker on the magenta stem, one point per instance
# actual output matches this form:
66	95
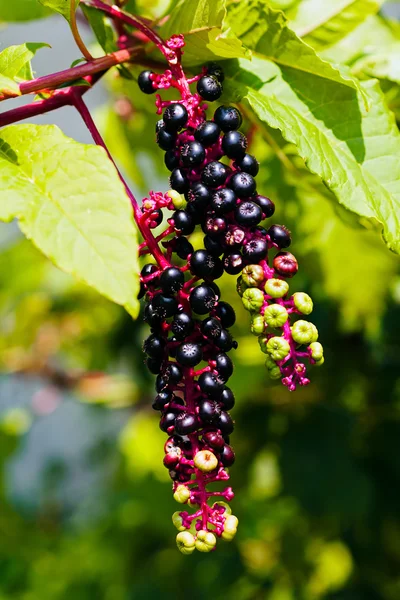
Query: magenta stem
35	108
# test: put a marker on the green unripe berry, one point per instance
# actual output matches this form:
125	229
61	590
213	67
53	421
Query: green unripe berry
205	541
182	494
302	332
275	315
178	521
205	461
319	363
278	348
275	373
253	275
276	288
253	299
315	332
270	363
317	351
228	510
303	303
178	200
240	286
186	542
263	341
230	528
257	325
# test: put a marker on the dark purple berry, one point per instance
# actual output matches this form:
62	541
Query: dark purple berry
249	164
210	384
149	269
173	373
211	328
228	118
156	218
185	423
182	326
214	174
164	306
224	366
182	247
152	317
285	264
213	245
233	263
209	88
171	159
165	139
255	250
223	200
202	299
224	341
226	314
209	411
175	117
198	195
225	423
153	365
214	439
192	154
154	346
266	205
183	222
234	144
203	264
242	184
171	280
145	83
215	69
280	235
227	456
214	226
207	133
189	354
167	421
248	213
227	399
162	399
234	236
161	383
178	181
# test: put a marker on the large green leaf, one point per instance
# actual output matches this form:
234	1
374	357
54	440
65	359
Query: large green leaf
102	28
322	24
22	10
70	202
64	7
382	65
15	61
355	151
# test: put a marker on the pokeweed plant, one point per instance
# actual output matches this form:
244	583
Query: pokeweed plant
75	205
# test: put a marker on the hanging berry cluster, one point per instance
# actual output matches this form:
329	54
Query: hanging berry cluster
190	336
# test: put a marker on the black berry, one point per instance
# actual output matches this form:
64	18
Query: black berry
224	366
164	306
198	195
175	117
183	222
171	159
172	280
233	263
266	205
248	213
213	245
165	139
227	399
167	421
211	328
223	200
145	83
178	181
154	346
202	299
234	144
225	423
214	69
209	88
280	235
182	326
249	164
226	314
210	384
192	154
209	411
173	373
183	247
242	184
189	354
207	133
228	118
255	250
203	264
214	174
185	423
224	341
227	456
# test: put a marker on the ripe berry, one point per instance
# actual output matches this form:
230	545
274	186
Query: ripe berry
266	205
192	154
224	366
173	373
198	195
189	354
234	144
145	83
209	88
226	314
227	456
234	236
225	423
147	270
183	222
207	133
183	247
175	117
153	364
228	118
280	235
182	326
214	226
161	383
210	384
213	245
154	346
255	250
164	306
203	264
248	213
178	181
242	184
285	264
152	317
185	423
227	399
214	439
171	159
249	164
202	299
167	421
224	341
165	139
214	174
209	411
172	280
211	328
223	200
214	69
162	399
233	263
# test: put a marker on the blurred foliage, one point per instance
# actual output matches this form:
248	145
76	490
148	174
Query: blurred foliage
317	472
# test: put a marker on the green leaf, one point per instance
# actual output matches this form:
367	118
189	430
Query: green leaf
207	35
322	24
356	152
382	65
8	88
70	202
22	10
15	61
102	28
64	7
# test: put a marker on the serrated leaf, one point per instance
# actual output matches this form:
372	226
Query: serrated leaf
15	61
70	202
63	7
8	88
356	152
322	24
22	10
102	28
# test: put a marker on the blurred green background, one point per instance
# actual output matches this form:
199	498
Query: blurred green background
85	503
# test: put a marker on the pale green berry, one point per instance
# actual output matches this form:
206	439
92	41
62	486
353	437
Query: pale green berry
253	299
270	363
178	521
230	528
303	303
178	200
319	363
276	288
315	332
317	351
205	461
240	286
182	494
302	332
263	341
228	510
275	315
257	325
278	348
205	541
186	542
253	275
275	373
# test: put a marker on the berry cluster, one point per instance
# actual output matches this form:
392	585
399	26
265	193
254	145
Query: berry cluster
212	186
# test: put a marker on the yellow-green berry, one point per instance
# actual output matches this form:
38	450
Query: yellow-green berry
270	363
228	510
278	348
186	542
317	351
205	541
257	325
178	521
319	363
263	341
315	332
302	332
240	286
205	461
230	528
275	315
178	200
276	288
182	494
303	303
253	275
253	299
